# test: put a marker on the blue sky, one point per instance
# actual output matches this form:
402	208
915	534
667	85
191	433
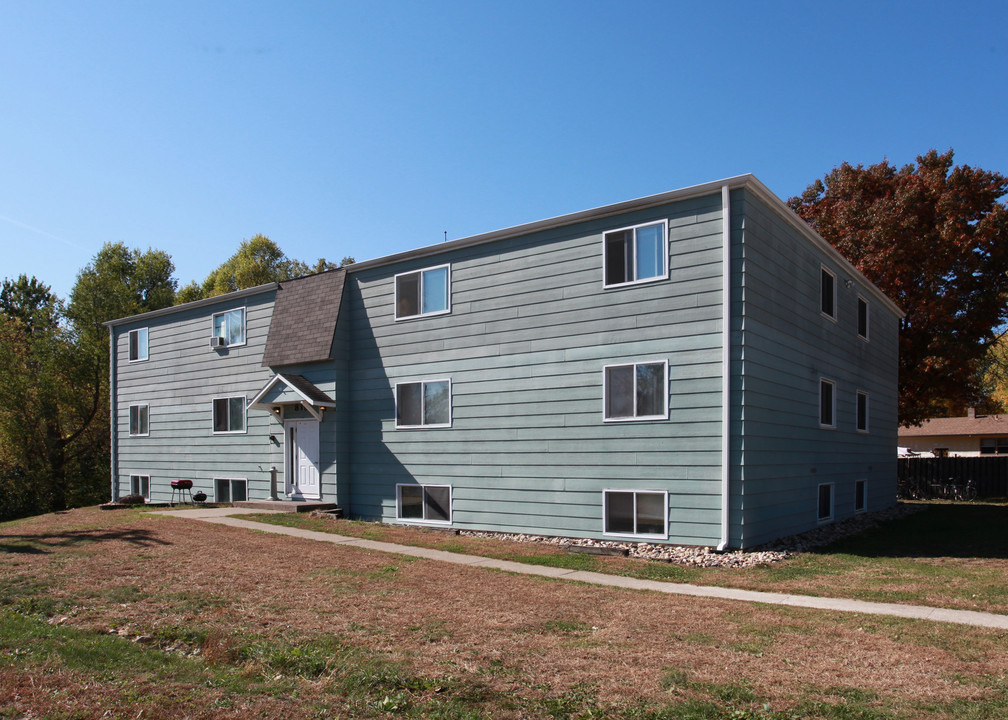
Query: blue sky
370	128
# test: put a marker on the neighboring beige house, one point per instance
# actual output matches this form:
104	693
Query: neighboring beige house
957	436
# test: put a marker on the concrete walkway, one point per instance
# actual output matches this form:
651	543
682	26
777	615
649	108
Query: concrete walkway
222	516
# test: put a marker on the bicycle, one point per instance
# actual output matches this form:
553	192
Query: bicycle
967	492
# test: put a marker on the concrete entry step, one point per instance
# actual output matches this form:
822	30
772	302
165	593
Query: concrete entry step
290	506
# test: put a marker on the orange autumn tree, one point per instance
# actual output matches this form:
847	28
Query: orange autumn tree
934	238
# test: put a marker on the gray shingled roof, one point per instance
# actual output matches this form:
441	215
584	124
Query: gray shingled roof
304	319
977	425
316	396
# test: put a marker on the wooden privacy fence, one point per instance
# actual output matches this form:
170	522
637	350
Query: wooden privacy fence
923	478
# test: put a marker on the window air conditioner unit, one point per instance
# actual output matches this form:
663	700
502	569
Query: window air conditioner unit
217	342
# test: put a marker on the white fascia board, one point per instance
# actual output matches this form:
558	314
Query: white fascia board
747	181
554	222
226	298
305	400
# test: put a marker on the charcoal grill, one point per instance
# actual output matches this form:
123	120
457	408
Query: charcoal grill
182	487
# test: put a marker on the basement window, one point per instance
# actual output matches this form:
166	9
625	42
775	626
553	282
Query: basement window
423	503
825	502
859	496
640	513
230	490
140	485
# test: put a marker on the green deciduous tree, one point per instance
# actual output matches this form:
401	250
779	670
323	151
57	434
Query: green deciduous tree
118	282
934	238
257	261
54	414
47	444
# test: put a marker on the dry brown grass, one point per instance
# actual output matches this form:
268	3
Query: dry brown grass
521	637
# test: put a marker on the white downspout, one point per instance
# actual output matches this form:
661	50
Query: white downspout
113	406
725	360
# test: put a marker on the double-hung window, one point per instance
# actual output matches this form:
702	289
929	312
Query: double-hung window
138	420
827	293
862	411
138	345
423	292
827	403
635	512
636	391
423	503
635	254
423	404
862	318
230	325
229	414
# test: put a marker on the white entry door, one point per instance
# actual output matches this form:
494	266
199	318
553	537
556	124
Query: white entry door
303	459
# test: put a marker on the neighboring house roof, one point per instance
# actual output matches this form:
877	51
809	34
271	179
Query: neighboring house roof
977	425
304	319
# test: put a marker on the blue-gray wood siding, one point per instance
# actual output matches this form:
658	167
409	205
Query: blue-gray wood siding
786	346
530	330
529	333
179	382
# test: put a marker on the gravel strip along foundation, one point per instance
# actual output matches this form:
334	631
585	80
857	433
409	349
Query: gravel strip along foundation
705	557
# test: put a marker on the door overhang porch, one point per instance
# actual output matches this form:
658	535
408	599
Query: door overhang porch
288	390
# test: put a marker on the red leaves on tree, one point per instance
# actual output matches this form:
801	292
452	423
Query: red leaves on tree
934	238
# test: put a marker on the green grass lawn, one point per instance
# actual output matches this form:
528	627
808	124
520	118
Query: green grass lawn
951	555
129	614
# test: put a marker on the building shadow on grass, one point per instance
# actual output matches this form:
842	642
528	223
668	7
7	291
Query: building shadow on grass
942	529
45	543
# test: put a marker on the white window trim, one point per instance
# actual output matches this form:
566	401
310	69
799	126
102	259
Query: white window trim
643	418
665	255
244	429
833	317
140	475
864	482
244	310
424	521
421	314
422	383
832	383
130	420
635	491
867	411
230	487
146	355
832	503
867	321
